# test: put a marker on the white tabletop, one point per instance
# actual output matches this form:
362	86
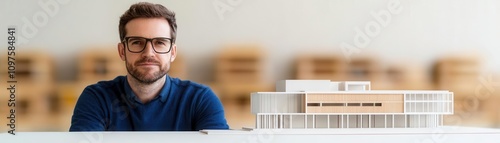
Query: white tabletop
427	135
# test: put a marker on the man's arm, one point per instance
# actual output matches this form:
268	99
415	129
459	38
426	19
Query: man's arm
210	113
88	114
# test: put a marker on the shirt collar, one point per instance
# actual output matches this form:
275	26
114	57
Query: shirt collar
165	91
162	95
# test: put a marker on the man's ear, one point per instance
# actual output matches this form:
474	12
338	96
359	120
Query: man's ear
173	52
121	51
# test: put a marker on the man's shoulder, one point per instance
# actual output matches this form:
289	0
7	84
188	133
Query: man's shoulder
108	84
187	84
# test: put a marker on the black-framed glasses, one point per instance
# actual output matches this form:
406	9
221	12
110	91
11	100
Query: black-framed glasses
136	44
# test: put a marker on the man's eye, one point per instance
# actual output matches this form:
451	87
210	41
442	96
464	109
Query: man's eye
135	42
160	43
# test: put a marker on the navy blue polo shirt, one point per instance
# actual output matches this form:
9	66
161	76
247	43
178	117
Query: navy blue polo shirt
180	106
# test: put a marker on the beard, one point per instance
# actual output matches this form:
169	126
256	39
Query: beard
143	77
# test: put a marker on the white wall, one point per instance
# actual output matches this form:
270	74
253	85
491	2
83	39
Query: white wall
421	32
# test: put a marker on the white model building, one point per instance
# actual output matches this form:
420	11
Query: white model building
325	104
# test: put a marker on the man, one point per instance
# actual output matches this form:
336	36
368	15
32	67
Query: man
147	99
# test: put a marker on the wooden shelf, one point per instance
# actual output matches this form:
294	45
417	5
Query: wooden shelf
239	63
103	64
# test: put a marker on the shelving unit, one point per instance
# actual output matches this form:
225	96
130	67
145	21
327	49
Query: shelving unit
178	68
100	64
310	66
33	90
239	63
239	71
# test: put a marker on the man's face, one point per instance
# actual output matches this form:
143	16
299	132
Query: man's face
147	66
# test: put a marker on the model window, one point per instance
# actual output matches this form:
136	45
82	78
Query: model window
312	104
353	104
333	104
367	104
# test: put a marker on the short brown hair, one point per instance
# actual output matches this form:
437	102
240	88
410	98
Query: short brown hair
147	10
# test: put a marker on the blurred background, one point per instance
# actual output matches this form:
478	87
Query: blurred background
242	46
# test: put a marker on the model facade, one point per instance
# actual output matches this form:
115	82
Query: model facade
325	104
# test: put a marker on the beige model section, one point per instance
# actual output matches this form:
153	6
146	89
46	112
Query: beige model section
354	103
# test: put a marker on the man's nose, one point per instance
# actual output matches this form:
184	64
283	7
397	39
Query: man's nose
148	49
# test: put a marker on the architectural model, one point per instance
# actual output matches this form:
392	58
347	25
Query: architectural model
325	104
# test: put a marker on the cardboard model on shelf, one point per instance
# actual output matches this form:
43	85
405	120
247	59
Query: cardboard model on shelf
325	104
